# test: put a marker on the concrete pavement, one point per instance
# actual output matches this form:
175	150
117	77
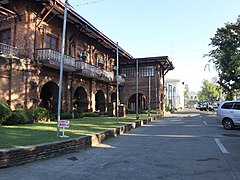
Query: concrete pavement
180	146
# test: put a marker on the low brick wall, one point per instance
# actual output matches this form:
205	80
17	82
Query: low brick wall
18	156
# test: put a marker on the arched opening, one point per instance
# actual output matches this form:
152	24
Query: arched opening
80	99
142	102
100	101
49	96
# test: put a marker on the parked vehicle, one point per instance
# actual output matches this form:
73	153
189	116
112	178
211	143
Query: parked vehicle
228	114
203	107
206	105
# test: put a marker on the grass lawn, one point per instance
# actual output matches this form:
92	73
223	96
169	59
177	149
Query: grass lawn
37	133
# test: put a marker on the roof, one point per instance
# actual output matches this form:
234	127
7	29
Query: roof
163	61
170	80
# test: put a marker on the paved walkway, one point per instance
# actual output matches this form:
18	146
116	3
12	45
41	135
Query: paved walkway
178	147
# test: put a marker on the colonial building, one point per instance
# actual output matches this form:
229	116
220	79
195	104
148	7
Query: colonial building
151	72
30	46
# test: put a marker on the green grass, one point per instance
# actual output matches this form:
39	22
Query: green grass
37	133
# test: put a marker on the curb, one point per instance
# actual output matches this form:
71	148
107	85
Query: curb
19	156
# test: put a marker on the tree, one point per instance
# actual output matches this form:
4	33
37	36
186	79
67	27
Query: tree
210	91
226	57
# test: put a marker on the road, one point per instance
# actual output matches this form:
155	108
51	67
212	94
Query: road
188	145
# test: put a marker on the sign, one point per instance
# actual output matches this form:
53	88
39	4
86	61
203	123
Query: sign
64	124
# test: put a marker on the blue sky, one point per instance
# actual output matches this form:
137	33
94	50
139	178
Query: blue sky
178	29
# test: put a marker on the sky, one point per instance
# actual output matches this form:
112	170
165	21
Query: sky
180	29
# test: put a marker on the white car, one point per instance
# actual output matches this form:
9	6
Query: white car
228	114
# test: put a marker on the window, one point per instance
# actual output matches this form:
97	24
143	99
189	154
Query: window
236	105
129	72
143	71
227	105
146	71
5	36
51	42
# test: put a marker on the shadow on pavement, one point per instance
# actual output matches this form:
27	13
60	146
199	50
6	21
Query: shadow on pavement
191	113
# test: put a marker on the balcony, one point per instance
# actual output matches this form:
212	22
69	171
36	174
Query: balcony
107	76
86	69
89	70
52	59
8	51
121	79
101	63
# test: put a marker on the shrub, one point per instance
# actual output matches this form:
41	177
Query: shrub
159	111
140	111
91	114
29	114
129	111
28	117
41	114
66	115
18	117
104	114
78	113
5	112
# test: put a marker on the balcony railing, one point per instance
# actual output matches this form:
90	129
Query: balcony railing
108	75
9	51
121	79
86	68
51	55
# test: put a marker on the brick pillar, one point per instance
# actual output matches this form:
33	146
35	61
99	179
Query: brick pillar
69	92
106	108
92	91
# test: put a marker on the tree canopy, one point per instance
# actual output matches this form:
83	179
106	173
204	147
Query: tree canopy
226	56
210	91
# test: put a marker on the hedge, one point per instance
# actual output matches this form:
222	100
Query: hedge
5	112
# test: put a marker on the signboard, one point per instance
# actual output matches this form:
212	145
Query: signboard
64	124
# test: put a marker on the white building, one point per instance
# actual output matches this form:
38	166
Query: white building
192	96
174	93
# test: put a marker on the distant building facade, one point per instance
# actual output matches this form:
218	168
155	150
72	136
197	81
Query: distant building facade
192	96
174	93
151	73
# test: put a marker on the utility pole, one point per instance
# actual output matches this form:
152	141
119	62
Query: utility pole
149	93
117	87
137	117
61	66
156	90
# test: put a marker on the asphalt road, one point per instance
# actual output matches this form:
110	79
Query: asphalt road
187	145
